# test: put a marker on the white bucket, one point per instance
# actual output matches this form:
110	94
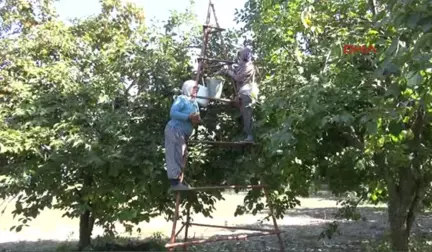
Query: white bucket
215	86
204	92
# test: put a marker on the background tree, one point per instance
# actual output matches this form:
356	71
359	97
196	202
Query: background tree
73	134
359	122
83	112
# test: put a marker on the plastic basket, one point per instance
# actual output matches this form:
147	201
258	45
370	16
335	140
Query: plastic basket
215	86
203	92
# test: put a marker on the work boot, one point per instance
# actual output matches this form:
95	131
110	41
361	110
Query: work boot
179	187
186	184
249	139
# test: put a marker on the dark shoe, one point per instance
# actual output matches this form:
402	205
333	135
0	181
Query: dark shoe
179	187
249	139
186	184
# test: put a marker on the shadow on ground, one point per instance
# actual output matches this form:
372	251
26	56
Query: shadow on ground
60	246
353	236
371	213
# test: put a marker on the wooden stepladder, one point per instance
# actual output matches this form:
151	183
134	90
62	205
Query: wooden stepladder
203	61
185	225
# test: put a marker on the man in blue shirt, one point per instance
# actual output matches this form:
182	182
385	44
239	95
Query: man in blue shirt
184	116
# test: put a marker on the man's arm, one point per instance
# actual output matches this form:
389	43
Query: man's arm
242	73
176	108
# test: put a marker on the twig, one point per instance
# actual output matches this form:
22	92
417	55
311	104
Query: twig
4	209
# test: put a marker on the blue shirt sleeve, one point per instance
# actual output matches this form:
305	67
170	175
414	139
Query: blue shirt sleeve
176	108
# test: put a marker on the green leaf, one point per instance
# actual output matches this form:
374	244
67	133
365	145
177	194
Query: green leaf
413	20
372	32
372	128
346	118
18	207
77	143
336	50
393	90
421	43
427	25
393	46
113	171
2	148
381	142
391	69
395	128
414	79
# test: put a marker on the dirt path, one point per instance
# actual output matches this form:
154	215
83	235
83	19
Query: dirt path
301	228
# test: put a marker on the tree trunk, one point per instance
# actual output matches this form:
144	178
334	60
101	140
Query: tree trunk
404	203
399	231
407	191
86	218
86	229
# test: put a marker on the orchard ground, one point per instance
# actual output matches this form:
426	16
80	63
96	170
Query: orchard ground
301	227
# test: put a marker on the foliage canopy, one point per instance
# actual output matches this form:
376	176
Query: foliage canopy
83	107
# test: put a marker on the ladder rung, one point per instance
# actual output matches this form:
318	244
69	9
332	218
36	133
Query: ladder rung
214	99
230	227
231	237
213	32
213	27
222	143
216	60
223	187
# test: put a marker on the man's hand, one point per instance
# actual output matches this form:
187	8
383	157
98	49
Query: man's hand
223	70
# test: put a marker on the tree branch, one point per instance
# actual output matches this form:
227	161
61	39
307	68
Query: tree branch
353	139
134	82
417	128
379	160
372	6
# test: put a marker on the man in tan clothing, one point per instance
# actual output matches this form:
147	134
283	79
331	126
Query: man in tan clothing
247	89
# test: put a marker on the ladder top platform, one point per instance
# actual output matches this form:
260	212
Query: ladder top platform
216	60
223	144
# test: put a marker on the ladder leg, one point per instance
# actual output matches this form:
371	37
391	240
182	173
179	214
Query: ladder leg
204	47
176	215
225	52
281	244
185	248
